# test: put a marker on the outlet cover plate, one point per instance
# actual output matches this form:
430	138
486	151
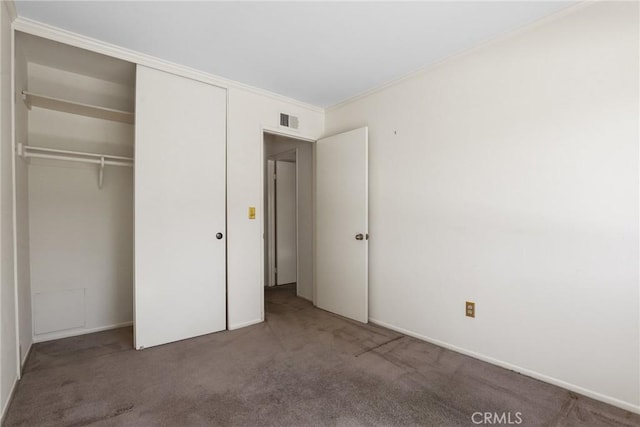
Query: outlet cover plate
470	309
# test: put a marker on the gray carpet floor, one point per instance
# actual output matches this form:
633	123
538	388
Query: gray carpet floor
302	367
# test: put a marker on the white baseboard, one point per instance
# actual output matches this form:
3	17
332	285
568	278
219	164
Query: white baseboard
551	380
24	358
5	405
75	332
245	324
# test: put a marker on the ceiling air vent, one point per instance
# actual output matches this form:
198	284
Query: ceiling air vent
288	121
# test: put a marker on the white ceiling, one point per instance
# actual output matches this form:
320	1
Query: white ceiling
318	52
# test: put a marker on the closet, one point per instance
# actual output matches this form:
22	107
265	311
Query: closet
120	168
75	142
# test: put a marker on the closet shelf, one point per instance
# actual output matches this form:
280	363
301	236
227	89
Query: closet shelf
57	104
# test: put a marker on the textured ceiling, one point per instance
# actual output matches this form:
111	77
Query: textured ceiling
318	52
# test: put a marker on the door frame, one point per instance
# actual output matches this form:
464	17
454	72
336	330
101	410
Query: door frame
263	168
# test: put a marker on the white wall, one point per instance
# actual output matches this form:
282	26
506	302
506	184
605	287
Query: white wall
22	214
304	199
8	342
248	114
286	223
508	176
80	236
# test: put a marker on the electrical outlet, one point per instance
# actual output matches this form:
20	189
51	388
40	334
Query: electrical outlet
470	309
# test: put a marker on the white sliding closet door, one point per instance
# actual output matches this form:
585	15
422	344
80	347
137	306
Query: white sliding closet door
180	264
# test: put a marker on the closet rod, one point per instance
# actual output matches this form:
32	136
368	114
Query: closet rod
78	159
26	151
101	160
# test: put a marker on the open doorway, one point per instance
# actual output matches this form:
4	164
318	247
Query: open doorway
282	220
288	219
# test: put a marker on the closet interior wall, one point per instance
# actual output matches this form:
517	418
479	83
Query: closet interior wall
74	238
23	271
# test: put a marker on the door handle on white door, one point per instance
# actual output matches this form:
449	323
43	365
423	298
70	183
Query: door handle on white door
359	236
218	236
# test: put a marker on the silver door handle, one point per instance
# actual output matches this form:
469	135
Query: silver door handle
359	236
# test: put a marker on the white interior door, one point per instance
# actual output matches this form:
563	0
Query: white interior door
286	227
342	284
180	264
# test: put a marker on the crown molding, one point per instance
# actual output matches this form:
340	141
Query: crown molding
11	9
438	63
40	29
